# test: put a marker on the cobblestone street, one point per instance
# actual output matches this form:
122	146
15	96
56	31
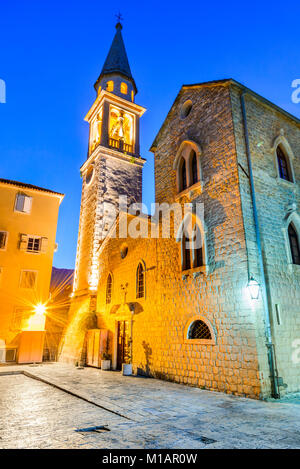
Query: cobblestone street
44	406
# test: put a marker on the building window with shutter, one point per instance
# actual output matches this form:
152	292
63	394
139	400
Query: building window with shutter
3	240
33	244
28	279
23	203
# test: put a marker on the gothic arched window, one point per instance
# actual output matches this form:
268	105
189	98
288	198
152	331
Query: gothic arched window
294	244
108	289
183	175
194	165
283	165
186	253
140	281
192	238
197	247
187	165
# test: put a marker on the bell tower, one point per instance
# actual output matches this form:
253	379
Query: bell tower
114	166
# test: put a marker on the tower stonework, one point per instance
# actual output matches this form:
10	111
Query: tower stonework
113	168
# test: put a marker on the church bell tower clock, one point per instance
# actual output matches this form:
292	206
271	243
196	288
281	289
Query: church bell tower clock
114	166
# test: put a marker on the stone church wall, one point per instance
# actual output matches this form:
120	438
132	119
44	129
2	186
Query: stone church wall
274	199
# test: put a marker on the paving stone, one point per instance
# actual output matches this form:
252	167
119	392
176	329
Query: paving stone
34	414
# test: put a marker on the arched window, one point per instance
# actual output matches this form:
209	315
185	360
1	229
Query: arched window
123	88
108	289
140	281
199	330
187	165
183	175
197	247
283	165
192	244
193	157
110	85
294	244
186	253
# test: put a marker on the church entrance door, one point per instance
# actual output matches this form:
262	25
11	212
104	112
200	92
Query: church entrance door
123	344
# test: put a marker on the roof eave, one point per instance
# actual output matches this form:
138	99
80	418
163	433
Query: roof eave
116	72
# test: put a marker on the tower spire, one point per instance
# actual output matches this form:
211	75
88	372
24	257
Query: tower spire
116	62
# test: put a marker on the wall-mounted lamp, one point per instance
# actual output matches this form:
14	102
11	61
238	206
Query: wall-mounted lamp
253	287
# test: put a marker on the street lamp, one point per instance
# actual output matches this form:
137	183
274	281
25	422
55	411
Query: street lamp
40	309
36	322
253	287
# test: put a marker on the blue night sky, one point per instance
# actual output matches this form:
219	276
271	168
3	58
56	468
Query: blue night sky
52	53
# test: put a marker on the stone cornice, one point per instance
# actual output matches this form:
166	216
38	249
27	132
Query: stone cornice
116	100
105	152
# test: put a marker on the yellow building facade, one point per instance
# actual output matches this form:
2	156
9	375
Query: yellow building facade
28	221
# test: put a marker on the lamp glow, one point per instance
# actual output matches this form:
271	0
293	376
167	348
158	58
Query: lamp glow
36	322
253	287
40	309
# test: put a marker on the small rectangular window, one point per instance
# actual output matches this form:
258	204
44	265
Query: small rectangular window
34	244
23	203
28	279
3	239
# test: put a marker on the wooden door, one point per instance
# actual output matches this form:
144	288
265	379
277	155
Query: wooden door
93	343
96	352
90	347
96	345
123	344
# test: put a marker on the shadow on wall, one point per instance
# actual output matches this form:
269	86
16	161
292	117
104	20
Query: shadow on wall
145	371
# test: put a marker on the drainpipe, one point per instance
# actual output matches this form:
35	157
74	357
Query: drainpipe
265	296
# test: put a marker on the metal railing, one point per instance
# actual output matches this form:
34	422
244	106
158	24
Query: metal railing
114	143
120	145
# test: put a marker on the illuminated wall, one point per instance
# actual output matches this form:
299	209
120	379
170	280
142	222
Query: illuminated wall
20	293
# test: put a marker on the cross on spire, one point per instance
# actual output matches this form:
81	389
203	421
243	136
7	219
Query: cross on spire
119	17
116	61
